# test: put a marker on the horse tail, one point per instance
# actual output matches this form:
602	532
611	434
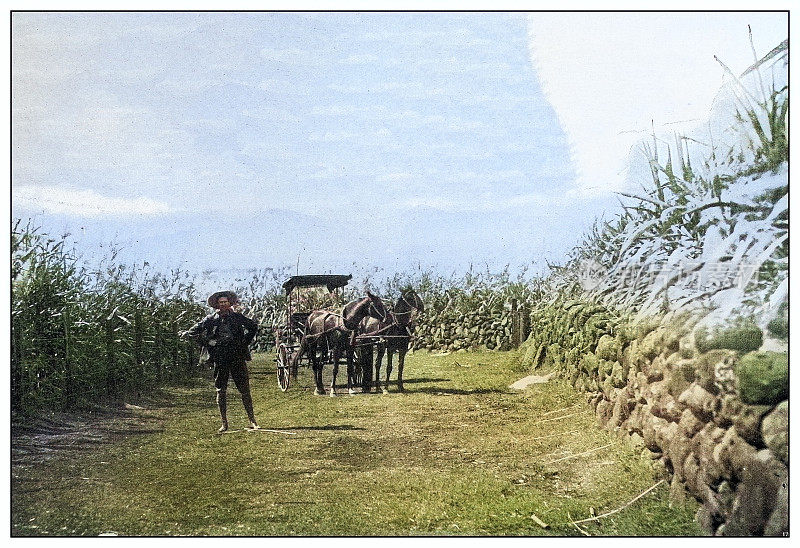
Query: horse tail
303	348
297	355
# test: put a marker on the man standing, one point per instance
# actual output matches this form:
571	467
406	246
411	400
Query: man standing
226	334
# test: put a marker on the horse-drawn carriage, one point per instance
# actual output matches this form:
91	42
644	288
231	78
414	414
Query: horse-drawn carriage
318	328
298	308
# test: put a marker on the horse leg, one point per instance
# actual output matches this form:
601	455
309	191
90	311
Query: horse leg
335	371
316	366
401	359
365	361
389	352
319	390
350	355
378	360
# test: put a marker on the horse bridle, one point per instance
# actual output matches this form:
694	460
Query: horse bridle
411	311
375	309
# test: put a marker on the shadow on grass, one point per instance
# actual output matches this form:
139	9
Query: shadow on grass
326	427
419	381
436	391
267	373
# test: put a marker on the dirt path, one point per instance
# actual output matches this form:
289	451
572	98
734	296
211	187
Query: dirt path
47	437
459	453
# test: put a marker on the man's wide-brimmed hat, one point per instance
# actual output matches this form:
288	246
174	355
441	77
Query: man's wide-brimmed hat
232	298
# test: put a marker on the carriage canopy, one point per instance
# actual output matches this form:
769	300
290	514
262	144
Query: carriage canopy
331	281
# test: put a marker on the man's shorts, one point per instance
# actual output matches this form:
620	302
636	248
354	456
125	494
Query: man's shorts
236	369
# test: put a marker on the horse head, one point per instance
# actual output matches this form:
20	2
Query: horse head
369	306
408	306
377	309
410	296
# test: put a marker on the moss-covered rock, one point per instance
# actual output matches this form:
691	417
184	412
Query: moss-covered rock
775	431
528	359
763	377
699	400
604	368
619	375
779	326
672	337
683	374
654	370
747	422
744	337
650	345
589	364
629	353
686	348
572	357
608	348
672	360
689	424
644	326
607	387
706	366
554	356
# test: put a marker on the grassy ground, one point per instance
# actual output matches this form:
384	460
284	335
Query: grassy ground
457	454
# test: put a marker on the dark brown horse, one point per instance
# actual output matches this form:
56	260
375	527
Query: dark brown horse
330	334
396	332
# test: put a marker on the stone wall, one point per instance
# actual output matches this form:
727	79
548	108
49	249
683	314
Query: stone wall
716	420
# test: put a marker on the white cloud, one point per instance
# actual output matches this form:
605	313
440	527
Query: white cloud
465	126
484	203
415	90
195	85
365	138
327	173
463	37
84	202
332	136
504	175
607	75
359	60
166	31
94	135
270	113
496	101
283	87
410	119
336	110
395	177
443	145
463	176
291	56
209	123
266	149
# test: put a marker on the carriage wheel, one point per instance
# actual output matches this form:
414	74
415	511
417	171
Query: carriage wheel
283	367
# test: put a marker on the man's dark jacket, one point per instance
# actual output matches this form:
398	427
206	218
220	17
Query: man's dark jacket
224	337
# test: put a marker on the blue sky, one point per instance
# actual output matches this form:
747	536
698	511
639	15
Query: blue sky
342	139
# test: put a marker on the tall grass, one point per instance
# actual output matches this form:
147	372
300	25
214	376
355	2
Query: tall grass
709	232
81	335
